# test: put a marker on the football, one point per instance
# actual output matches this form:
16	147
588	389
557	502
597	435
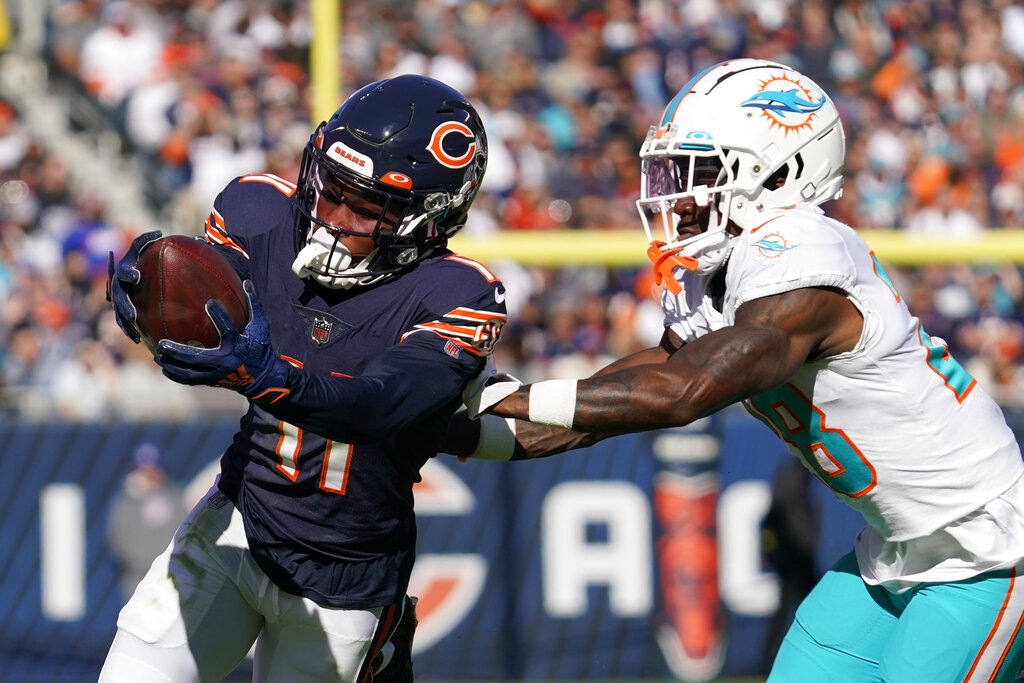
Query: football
179	275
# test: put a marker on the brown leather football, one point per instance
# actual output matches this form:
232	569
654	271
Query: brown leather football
179	275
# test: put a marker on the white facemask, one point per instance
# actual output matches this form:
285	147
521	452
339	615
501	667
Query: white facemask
322	255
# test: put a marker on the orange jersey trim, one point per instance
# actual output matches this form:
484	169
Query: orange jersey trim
286	188
217	233
766	222
491	277
458	342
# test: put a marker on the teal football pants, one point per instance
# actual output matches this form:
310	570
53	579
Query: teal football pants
846	631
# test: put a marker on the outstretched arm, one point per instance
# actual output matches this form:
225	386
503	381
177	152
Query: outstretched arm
771	338
538	440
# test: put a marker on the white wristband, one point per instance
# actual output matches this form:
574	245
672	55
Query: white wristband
553	402
497	438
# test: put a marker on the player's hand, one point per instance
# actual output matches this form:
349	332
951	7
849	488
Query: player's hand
244	361
487	388
125	273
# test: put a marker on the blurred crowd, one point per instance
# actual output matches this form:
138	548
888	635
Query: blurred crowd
931	94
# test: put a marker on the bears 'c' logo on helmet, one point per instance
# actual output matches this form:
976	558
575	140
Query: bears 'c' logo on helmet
436	146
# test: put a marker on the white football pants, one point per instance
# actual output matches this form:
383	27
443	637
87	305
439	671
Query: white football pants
205	601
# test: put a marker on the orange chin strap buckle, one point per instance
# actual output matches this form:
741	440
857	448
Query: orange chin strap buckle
665	263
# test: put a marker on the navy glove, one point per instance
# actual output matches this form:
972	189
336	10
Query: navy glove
245	361
125	273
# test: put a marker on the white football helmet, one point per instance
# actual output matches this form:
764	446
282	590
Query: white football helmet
742	137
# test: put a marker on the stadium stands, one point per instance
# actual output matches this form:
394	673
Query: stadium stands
932	95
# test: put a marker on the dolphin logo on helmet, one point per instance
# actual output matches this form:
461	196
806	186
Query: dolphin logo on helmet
742	138
783	102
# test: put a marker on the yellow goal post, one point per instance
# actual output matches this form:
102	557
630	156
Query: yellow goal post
626	248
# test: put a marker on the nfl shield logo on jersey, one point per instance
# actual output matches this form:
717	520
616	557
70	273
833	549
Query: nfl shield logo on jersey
321	330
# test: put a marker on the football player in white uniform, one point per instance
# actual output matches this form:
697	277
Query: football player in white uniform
770	303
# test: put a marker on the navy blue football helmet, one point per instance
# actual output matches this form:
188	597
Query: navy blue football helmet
402	159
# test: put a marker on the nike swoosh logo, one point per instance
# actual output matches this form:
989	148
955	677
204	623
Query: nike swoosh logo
499	297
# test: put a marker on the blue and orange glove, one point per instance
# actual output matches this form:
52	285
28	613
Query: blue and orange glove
126	274
245	361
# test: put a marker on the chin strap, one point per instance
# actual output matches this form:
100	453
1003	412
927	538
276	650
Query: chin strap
317	254
324	255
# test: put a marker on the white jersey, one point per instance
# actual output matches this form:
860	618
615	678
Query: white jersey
896	427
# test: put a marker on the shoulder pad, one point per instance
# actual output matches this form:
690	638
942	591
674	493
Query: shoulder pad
249	205
467	301
788	251
474	264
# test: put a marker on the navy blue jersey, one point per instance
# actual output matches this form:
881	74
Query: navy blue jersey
323	473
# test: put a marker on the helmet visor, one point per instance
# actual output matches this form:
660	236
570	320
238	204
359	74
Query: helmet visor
341	204
666	176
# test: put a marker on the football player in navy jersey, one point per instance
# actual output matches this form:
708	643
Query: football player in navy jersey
364	331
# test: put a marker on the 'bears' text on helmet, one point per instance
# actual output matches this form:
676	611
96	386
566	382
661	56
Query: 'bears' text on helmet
404	157
742	137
